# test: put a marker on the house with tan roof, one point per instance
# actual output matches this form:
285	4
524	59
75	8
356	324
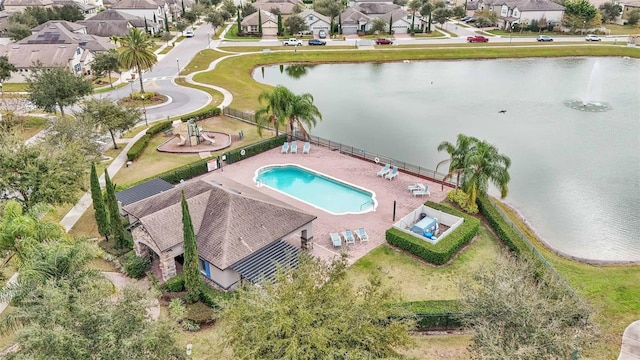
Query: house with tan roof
146	9
401	21
249	24
376	9
286	7
113	22
315	21
241	233
19	5
522	11
54	45
354	21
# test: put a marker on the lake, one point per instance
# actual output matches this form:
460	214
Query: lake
575	175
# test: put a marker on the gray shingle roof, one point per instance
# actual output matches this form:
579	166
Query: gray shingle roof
107	28
262	265
353	16
231	221
135	4
252	19
375	8
526	5
109	15
37	3
143	191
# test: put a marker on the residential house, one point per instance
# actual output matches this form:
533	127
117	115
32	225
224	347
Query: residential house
376	9
353	3
151	10
401	21
113	22
316	21
249	24
286	7
240	232
19	5
522	11
142	191
55	45
353	21
629	6
87	10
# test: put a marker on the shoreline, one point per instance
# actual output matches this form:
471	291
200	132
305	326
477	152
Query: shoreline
560	253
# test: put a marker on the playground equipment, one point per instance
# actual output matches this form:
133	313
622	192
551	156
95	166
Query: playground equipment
193	130
205	137
183	140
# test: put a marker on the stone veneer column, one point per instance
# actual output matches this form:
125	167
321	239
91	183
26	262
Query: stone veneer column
306	241
167	265
142	250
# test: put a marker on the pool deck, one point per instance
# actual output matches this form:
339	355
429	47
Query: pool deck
350	170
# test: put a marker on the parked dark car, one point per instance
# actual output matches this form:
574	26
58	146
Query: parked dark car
465	18
477	38
471	20
317	42
383	41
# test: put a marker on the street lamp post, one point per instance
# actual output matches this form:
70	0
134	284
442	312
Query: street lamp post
144	110
131	83
208	40
178	61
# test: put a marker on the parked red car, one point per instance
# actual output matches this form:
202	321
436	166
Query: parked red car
477	38
383	41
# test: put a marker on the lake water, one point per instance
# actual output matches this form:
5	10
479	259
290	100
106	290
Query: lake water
575	175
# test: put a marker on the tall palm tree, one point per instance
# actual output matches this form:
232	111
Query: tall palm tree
458	155
272	114
426	10
301	112
137	53
483	165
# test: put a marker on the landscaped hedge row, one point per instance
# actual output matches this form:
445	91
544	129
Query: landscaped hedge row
441	252
137	148
203	114
434	314
257	148
185	172
504	231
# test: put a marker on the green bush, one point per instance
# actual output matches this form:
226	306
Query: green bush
137	148
185	172
441	252
462	199
203	114
200	313
433	314
158	127
175	284
135	266
257	148
504	231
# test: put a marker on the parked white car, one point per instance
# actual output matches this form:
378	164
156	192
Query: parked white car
592	37
189	33
292	42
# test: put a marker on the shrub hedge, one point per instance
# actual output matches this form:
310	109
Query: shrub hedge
199	313
202	114
441	252
137	148
135	266
433	314
158	127
175	284
257	148
504	231
185	172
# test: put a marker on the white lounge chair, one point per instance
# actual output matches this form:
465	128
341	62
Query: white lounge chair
294	147
422	192
335	239
384	170
306	147
285	148
391	175
348	237
361	233
416	186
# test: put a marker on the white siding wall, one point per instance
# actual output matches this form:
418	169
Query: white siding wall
227	278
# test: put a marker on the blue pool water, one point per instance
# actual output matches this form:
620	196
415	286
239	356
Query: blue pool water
317	190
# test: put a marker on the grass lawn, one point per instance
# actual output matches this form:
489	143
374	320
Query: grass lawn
445	31
615	29
235	74
232	34
432	34
201	61
31	126
612	291
416	280
14	87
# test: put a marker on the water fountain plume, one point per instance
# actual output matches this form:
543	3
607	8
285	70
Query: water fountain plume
589	102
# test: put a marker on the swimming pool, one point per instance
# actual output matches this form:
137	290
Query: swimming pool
318	190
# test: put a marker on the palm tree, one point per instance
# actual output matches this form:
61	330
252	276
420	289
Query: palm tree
458	155
301	112
426	10
272	114
483	165
137	53
414	6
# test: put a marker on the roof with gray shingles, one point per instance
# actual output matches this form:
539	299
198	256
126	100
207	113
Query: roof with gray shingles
108	28
71	26
396	15
231	221
135	4
527	5
376	8
252	19
143	191
285	8
316	16
109	15
352	16
36	3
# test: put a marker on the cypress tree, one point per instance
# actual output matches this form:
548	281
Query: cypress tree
390	23
101	216
146	28
331	27
166	22
239	22
280	32
340	23
155	19
192	281
117	230
260	21
182	8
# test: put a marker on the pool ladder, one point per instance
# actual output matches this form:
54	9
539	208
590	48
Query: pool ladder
366	203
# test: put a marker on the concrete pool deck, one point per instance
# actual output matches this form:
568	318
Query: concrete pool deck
348	169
